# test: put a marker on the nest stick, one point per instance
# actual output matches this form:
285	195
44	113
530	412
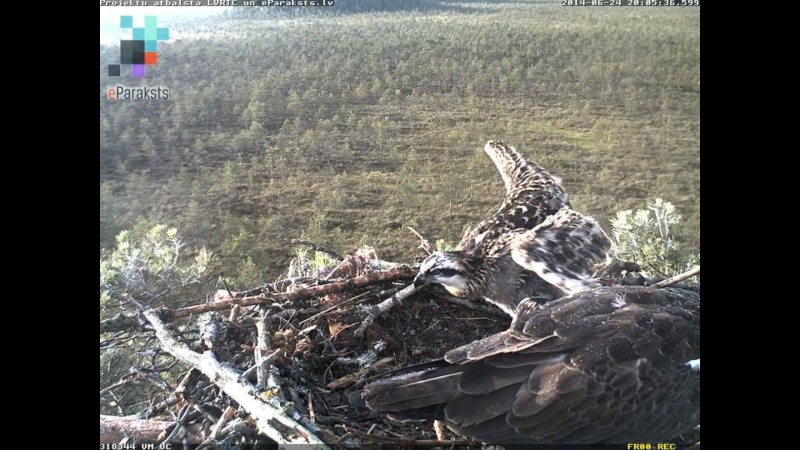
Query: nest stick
400	274
318	248
384	307
678	278
404	441
424	243
266	416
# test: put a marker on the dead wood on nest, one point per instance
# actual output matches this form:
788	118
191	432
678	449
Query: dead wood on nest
351	378
404	273
270	420
253	346
412	442
284	364
318	248
115	428
678	278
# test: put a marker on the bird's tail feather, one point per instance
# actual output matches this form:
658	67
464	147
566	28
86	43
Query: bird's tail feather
417	394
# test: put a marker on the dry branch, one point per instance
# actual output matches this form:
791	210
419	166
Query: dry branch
424	243
351	378
115	428
318	248
384	306
266	416
226	416
400	274
404	441
440	429
118	323
179	425
265	377
305	359
353	265
678	278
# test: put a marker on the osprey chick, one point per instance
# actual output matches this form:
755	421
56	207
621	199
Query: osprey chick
535	245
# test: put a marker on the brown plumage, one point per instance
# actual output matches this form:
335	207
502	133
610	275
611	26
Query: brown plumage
610	365
535	245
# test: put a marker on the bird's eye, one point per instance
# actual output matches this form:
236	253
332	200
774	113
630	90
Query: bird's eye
436	271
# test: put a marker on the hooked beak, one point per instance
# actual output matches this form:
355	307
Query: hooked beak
419	281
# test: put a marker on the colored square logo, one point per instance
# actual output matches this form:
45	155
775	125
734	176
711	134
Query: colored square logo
131	52
141	49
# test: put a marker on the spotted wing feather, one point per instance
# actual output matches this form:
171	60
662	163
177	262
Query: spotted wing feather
532	194
563	250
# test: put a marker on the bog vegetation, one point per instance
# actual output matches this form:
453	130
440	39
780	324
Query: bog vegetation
344	126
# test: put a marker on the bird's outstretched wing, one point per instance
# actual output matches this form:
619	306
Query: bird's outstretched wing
563	250
532	194
612	365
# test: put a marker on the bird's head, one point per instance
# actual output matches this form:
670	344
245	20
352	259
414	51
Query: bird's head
450	269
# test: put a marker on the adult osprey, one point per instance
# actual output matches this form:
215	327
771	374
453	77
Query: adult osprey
611	365
535	245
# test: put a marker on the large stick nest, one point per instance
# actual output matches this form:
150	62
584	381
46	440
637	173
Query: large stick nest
283	361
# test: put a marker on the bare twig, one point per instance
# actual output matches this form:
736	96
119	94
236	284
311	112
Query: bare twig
311	407
400	274
248	374
404	441
157	408
178	425
351	378
206	412
116	400
342	303
234	313
318	248
439	429
210	330
118	323
226	416
116	385
678	278
264	345
424	243
232	427
383	307
266	416
188	380
114	428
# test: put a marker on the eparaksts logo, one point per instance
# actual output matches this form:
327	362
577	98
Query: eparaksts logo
140	51
138	93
